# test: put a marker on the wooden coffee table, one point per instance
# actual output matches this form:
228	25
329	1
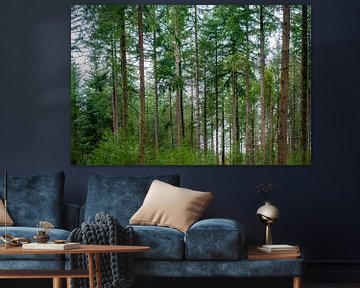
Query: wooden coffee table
94	267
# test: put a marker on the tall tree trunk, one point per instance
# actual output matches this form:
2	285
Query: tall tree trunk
212	147
156	92
262	86
142	136
124	85
304	85
115	100
271	127
230	151
284	85
247	105
192	115
277	128
216	101
182	104
223	130
292	113
205	118
197	83
179	110
235	115
171	120
252	132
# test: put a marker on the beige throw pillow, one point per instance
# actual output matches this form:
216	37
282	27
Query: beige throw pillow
170	206
9	221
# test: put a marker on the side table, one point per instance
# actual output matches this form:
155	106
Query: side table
288	259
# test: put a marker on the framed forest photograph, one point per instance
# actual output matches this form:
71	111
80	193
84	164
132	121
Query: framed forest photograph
190	84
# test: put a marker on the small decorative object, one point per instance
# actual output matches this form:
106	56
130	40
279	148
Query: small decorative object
11	241
268	213
41	236
46	225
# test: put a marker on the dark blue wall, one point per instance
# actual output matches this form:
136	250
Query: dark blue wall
318	203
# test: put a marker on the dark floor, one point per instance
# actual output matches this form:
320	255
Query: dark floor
239	283
332	285
253	283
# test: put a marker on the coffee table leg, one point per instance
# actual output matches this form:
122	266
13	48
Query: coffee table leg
98	270
57	283
68	282
297	282
91	270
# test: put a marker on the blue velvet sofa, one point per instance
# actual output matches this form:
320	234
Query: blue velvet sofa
209	248
32	199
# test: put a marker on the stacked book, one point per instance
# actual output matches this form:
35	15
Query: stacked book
268	252
51	246
279	249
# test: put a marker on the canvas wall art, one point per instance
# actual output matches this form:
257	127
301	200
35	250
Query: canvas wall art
191	84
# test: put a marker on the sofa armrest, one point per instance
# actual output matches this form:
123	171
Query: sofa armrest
71	216
215	239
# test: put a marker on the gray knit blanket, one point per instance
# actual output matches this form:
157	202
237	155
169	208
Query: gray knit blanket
116	268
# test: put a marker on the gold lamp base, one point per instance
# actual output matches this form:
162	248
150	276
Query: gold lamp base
268	238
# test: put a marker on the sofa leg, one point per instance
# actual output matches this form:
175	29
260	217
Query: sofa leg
297	282
57	283
68	282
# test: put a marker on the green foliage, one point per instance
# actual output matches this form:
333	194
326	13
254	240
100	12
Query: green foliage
121	150
228	50
183	155
115	150
76	125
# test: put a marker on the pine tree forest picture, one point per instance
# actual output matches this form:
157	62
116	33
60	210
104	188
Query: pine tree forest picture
190	84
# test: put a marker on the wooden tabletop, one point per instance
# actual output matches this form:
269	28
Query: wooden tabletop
254	254
91	249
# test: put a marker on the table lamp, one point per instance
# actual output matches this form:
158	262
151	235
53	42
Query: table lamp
268	214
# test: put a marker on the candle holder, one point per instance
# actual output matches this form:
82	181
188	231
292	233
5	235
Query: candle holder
41	237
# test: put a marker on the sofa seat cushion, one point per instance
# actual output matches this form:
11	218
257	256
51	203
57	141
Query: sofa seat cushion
214	239
120	196
166	243
29	232
39	264
213	269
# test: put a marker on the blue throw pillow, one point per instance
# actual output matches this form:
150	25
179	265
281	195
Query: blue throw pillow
35	198
120	196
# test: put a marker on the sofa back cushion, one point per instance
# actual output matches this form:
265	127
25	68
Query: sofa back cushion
35	198
120	196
